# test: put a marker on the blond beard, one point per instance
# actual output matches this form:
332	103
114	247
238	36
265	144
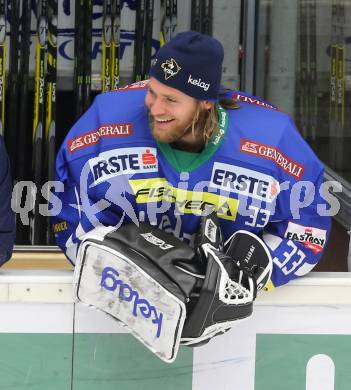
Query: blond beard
196	129
173	136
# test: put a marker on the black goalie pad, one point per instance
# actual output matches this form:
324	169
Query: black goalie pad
165	292
160	252
133	275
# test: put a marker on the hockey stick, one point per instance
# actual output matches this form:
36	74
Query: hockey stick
312	79
50	125
115	44
24	80
79	57
11	128
303	98
196	15
174	18
340	67
106	46
24	134
165	33
149	16
88	21
3	7
206	17
138	43
38	122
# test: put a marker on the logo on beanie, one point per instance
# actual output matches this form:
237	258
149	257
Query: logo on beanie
199	83
170	68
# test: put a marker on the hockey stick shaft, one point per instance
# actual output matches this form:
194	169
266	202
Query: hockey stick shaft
106	45
39	116
3	7
79	58
149	17
13	102
174	18
138	43
50	126
116	32
88	25
206	17
196	15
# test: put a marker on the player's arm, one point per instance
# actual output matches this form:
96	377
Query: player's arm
7	217
299	229
76	213
297	243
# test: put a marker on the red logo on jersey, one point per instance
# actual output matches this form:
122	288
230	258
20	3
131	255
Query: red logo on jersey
148	158
271	153
311	237
252	100
137	85
105	131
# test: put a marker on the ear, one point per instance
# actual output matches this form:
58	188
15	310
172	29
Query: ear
207	105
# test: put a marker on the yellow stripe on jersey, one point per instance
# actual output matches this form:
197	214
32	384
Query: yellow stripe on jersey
187	202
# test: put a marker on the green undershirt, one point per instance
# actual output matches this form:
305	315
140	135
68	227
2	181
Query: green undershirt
183	161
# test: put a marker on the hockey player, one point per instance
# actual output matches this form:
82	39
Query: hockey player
171	143
164	151
7	217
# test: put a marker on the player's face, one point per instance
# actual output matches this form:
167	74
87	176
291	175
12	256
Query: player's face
171	112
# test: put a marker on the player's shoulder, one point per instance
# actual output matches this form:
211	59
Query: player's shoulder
251	100
268	135
257	117
115	119
126	97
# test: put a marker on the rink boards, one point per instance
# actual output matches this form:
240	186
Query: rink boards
299	337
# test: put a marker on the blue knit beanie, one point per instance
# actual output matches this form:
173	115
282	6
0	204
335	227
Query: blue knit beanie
192	63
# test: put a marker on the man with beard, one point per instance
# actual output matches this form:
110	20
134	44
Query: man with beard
7	217
164	150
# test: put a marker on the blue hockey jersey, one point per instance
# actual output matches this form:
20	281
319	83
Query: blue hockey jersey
257	171
7	217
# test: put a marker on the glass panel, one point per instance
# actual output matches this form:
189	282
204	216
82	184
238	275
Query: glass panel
303	65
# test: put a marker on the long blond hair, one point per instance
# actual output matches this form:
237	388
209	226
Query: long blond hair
206	121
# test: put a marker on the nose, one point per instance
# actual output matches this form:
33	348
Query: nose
156	106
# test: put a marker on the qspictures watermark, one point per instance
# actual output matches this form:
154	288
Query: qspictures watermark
26	195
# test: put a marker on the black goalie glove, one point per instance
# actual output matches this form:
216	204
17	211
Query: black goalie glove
230	283
165	292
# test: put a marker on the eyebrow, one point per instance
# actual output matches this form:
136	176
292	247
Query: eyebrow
166	96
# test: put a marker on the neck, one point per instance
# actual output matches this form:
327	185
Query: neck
190	143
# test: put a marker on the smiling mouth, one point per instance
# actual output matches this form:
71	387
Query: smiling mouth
163	120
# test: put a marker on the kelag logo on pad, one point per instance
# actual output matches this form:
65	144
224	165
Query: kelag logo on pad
111	281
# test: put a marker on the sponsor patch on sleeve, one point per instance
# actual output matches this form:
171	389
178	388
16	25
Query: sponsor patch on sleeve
137	85
311	237
272	153
251	100
104	131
